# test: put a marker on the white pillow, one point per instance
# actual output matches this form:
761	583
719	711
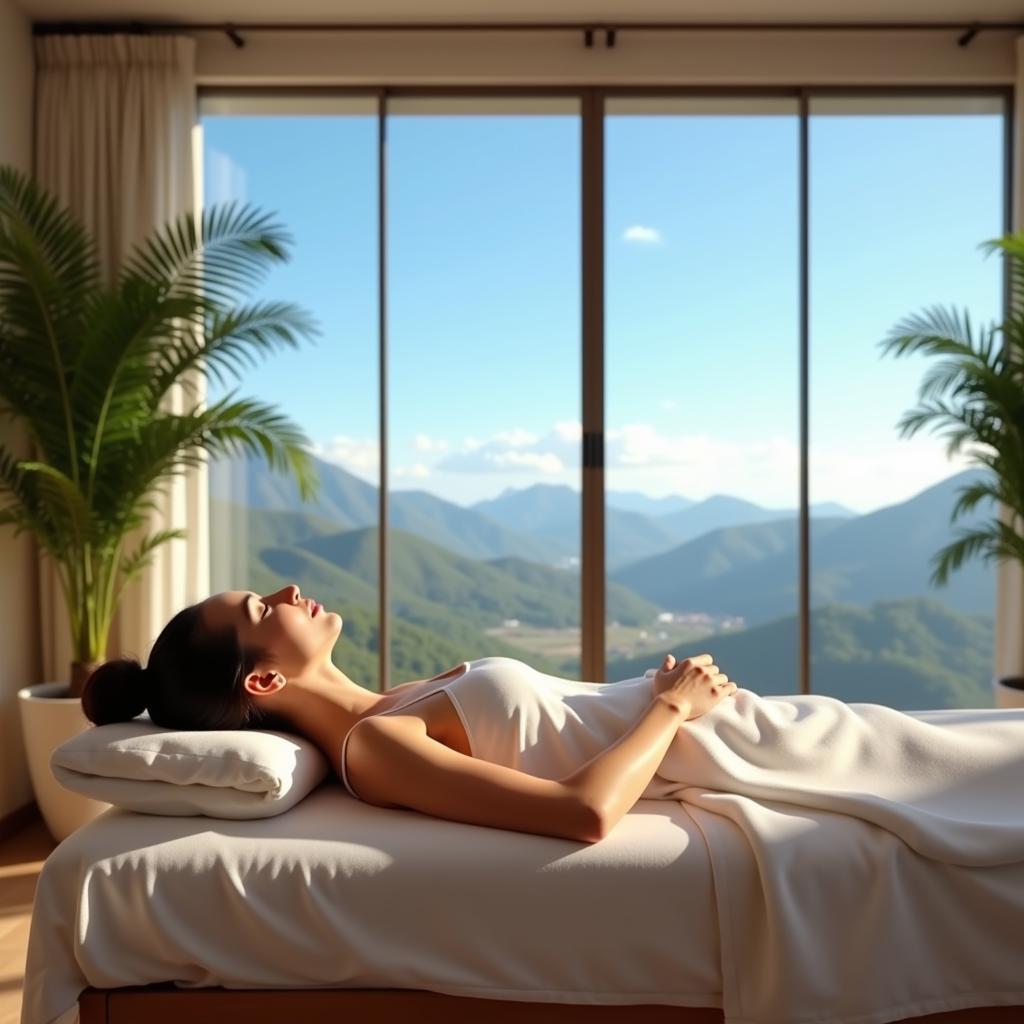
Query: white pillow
220	773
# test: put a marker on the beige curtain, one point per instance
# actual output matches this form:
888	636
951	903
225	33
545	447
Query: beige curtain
114	124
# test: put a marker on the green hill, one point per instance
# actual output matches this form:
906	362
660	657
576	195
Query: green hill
484	592
911	654
751	570
877	633
442	604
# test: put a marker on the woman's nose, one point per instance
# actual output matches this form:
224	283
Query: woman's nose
287	595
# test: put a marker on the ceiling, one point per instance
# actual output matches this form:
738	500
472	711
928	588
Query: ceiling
597	11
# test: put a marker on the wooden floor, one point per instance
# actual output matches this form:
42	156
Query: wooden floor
21	857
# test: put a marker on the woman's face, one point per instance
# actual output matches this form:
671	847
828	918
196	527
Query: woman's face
296	633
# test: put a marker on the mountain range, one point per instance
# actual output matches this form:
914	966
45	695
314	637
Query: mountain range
878	627
541	523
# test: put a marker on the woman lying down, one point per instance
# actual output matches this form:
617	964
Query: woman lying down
494	742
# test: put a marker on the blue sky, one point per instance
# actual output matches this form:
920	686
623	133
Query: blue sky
701	379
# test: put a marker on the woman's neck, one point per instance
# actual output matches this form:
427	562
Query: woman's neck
323	705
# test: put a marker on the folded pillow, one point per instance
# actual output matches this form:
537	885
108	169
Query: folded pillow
220	773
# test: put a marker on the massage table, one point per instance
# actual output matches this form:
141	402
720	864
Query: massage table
338	909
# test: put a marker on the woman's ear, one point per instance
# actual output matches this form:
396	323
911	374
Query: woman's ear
259	684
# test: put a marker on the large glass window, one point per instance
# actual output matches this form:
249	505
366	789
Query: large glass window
483	358
702	448
902	193
484	399
702	297
312	161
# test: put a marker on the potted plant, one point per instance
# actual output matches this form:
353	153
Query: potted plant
977	391
86	366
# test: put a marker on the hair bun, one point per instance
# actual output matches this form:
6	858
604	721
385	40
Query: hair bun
115	692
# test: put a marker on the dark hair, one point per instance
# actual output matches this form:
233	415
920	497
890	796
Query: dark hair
194	680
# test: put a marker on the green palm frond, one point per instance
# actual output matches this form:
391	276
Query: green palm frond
36	502
970	495
993	541
63	499
936	331
86	366
974	395
1012	246
133	564
48	270
170	444
231	341
229	252
256	427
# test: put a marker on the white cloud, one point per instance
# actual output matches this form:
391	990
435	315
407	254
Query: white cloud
865	479
417	471
639	456
640	233
767	470
423	443
543	462
352	453
640	444
519	452
516	438
569	431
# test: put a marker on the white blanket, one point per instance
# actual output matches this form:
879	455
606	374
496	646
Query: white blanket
869	864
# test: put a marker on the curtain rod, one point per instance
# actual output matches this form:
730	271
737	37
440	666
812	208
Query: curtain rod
233	29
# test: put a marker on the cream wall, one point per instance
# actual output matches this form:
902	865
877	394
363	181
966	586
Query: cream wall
18	635
638	58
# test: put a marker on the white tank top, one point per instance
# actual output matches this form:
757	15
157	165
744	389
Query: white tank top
539	724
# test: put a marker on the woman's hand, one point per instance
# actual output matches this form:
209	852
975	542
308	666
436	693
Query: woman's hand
694	685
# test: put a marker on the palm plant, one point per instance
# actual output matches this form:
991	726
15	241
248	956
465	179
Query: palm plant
977	392
87	365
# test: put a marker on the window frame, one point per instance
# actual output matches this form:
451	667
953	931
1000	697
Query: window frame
592	105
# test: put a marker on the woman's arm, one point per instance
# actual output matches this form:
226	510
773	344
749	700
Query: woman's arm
399	765
392	762
612	781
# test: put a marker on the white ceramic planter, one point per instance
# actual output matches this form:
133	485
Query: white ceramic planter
1009	696
48	718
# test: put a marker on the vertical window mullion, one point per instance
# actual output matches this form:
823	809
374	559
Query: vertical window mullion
592	267
804	526
383	549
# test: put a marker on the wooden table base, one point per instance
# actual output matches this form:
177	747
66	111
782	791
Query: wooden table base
165	1004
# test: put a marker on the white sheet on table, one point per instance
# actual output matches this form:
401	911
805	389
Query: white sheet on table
338	893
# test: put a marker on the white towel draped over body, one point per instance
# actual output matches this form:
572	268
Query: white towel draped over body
868	863
950	784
